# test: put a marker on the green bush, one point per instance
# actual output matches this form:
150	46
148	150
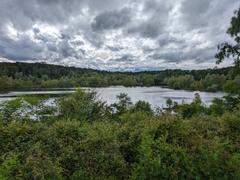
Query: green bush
89	140
81	105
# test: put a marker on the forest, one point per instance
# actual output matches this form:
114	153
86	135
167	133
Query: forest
25	76
84	138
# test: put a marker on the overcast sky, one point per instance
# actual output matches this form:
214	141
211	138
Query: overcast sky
122	35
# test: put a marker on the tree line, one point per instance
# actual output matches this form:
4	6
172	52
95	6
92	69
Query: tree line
37	75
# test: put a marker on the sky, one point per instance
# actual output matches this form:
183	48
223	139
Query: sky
115	35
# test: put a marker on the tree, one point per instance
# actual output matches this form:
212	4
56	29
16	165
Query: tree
180	82
195	108
227	49
81	105
124	103
197	99
169	102
217	107
142	106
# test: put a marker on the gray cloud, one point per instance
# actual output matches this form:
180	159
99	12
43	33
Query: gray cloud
111	20
124	58
146	29
199	14
113	34
198	56
155	15
22	49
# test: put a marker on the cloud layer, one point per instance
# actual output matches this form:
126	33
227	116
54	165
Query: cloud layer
116	35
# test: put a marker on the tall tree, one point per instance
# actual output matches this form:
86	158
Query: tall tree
227	49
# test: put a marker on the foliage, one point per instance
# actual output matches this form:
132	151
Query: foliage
211	82
25	108
142	106
123	104
226	49
180	82
81	106
194	108
90	140
21	76
169	102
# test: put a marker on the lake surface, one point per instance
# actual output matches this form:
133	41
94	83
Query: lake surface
156	96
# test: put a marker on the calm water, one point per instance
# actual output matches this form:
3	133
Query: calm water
156	96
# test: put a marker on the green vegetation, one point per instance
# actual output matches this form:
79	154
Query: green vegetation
231	49
88	139
214	82
21	76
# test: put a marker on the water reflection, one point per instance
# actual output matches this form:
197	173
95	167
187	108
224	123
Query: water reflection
156	96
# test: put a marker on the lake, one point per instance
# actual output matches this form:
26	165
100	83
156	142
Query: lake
156	96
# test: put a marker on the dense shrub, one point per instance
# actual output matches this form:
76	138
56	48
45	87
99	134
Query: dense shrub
81	106
90	140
